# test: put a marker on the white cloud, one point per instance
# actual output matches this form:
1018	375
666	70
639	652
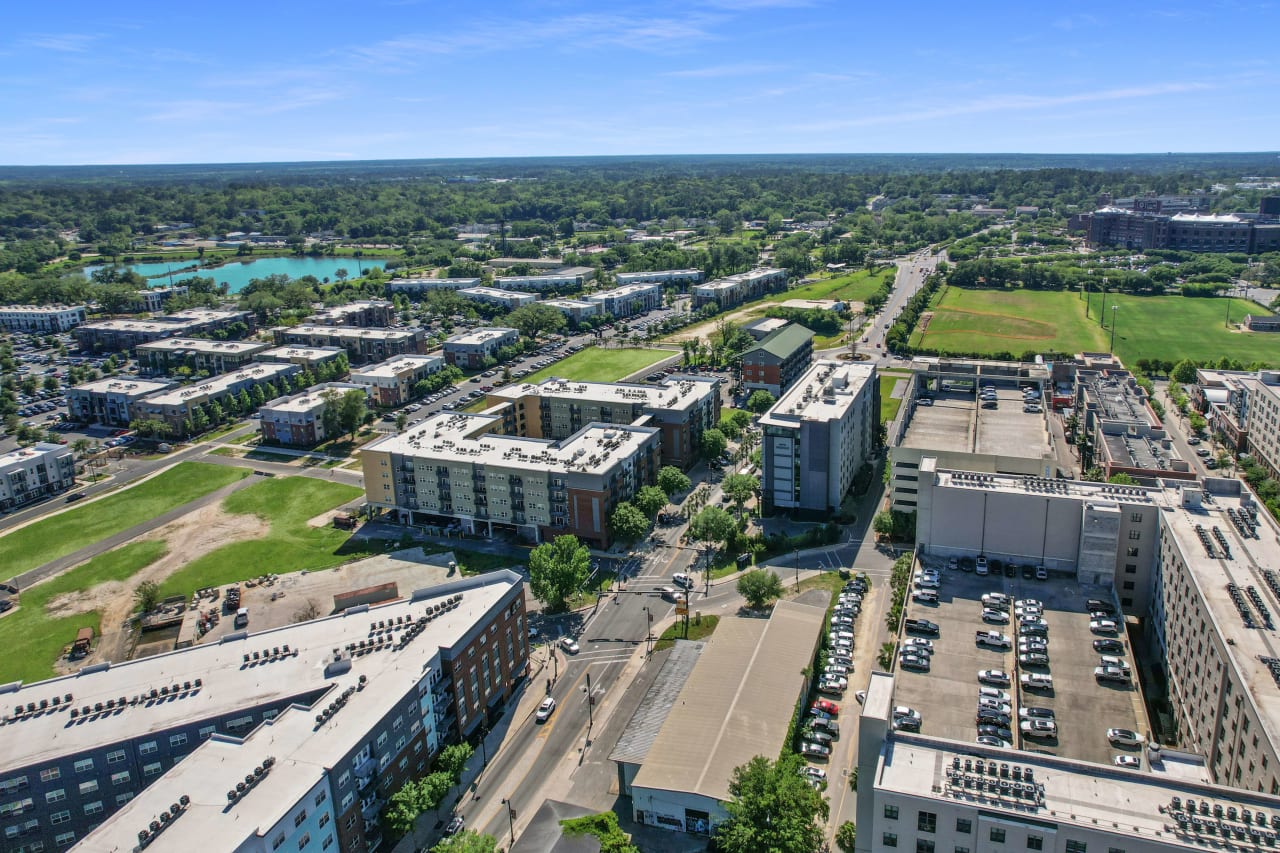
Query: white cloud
738	69
62	42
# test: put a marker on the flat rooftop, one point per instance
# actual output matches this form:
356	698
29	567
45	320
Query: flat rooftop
1116	396
157	326
498	293
824	393
204	315
263	371
625	290
956	422
228	684
737	703
466	437
479	336
675	393
397	365
130	387
1014	484
309	399
24	454
295	352
203	345
1067	792
647	720
569	303
1142	451
39	309
349	332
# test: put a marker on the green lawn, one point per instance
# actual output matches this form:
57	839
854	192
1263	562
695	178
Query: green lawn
1165	327
287	503
597	364
59	535
33	641
889	405
851	287
699	629
478	562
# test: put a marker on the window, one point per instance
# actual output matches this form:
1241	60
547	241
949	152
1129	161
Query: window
177	740
890	839
304	840
1131	551
65	839
924	845
324	820
51	774
964	825
321	797
239	723
121	778
1035	842
299	818
84	765
121	799
93	808
1115	850
1130	568
997	835
148	748
88	787
327	843
382	740
891	812
151	769
1076	847
347	801
960	849
59	818
277	841
17	783
55	796
207	731
1129	585
1136	517
927	822
1135	535
17	807
344	780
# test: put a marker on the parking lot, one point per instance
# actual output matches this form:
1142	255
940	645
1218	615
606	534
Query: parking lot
1084	709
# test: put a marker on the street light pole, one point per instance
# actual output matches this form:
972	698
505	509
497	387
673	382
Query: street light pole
511	819
797	558
1113	328
591	700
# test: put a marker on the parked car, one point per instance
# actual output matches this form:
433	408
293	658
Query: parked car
1124	737
991	706
810	749
569	644
1132	762
913	661
1100	604
1111	674
995	677
1108	646
1033	659
1102	626
1036	681
826	706
831	727
996	599
993	693
991	740
1038	728
925	596
1000	732
995	617
1042	574
922	626
981	565
993	639
918	644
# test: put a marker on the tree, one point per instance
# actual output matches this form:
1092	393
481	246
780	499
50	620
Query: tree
760	401
712	524
147	595
1120	478
454	758
773	809
533	319
467	841
1184	372
604	827
740	488
759	587
734	422
882	524
628	523
415	798
713	444
402	420
351	411
330	418
672	480
847	835
650	500
557	569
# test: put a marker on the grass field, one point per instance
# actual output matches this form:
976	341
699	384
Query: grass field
889	405
286	503
1165	327
33	640
699	629
597	364
59	535
851	287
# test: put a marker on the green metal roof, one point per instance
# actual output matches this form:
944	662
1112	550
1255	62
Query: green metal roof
784	342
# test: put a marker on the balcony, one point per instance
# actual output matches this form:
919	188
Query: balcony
370	806
366	768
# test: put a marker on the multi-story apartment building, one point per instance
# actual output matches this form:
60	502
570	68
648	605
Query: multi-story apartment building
366	313
112	402
455	468
41	319
682	407
505	299
326	719
1223	397
735	289
1127	435
470	350
177	406
569	278
676	277
1264	420
628	299
31	473
1190	232
576	310
779	359
154	299
308	358
120	335
390	383
416	288
362	345
818	434
198	354
298	419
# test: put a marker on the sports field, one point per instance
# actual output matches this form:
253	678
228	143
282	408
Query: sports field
851	287
61	534
597	364
1164	327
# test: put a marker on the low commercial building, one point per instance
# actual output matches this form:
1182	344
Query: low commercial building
308	358
779	359
736	289
154	299
765	326
818	435
1262	323
470	350
1127	435
41	319
327	718
177	406
576	310
121	335
1189	232
416	288
362	345
628	299
364	313
30	473
111	402
390	383
197	354
738	702
569	278
676	277
455	468
682	407
298	419
505	299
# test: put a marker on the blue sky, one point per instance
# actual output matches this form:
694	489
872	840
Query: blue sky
142	82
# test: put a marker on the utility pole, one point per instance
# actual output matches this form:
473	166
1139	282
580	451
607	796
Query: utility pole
797	558
1113	326
591	700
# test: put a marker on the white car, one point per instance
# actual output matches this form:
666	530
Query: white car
1038	728
861	696
997	677
1124	737
993	693
814	774
925	596
928	583
995	599
836	669
994	706
545	709
996	617
1036	681
569	644
1029	602
1103	626
918	644
1130	761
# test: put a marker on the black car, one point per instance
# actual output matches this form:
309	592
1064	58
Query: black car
1099	604
1108	647
454	827
1010	570
1028	572
922	626
75	496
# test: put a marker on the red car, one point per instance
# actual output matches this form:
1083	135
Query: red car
826	706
